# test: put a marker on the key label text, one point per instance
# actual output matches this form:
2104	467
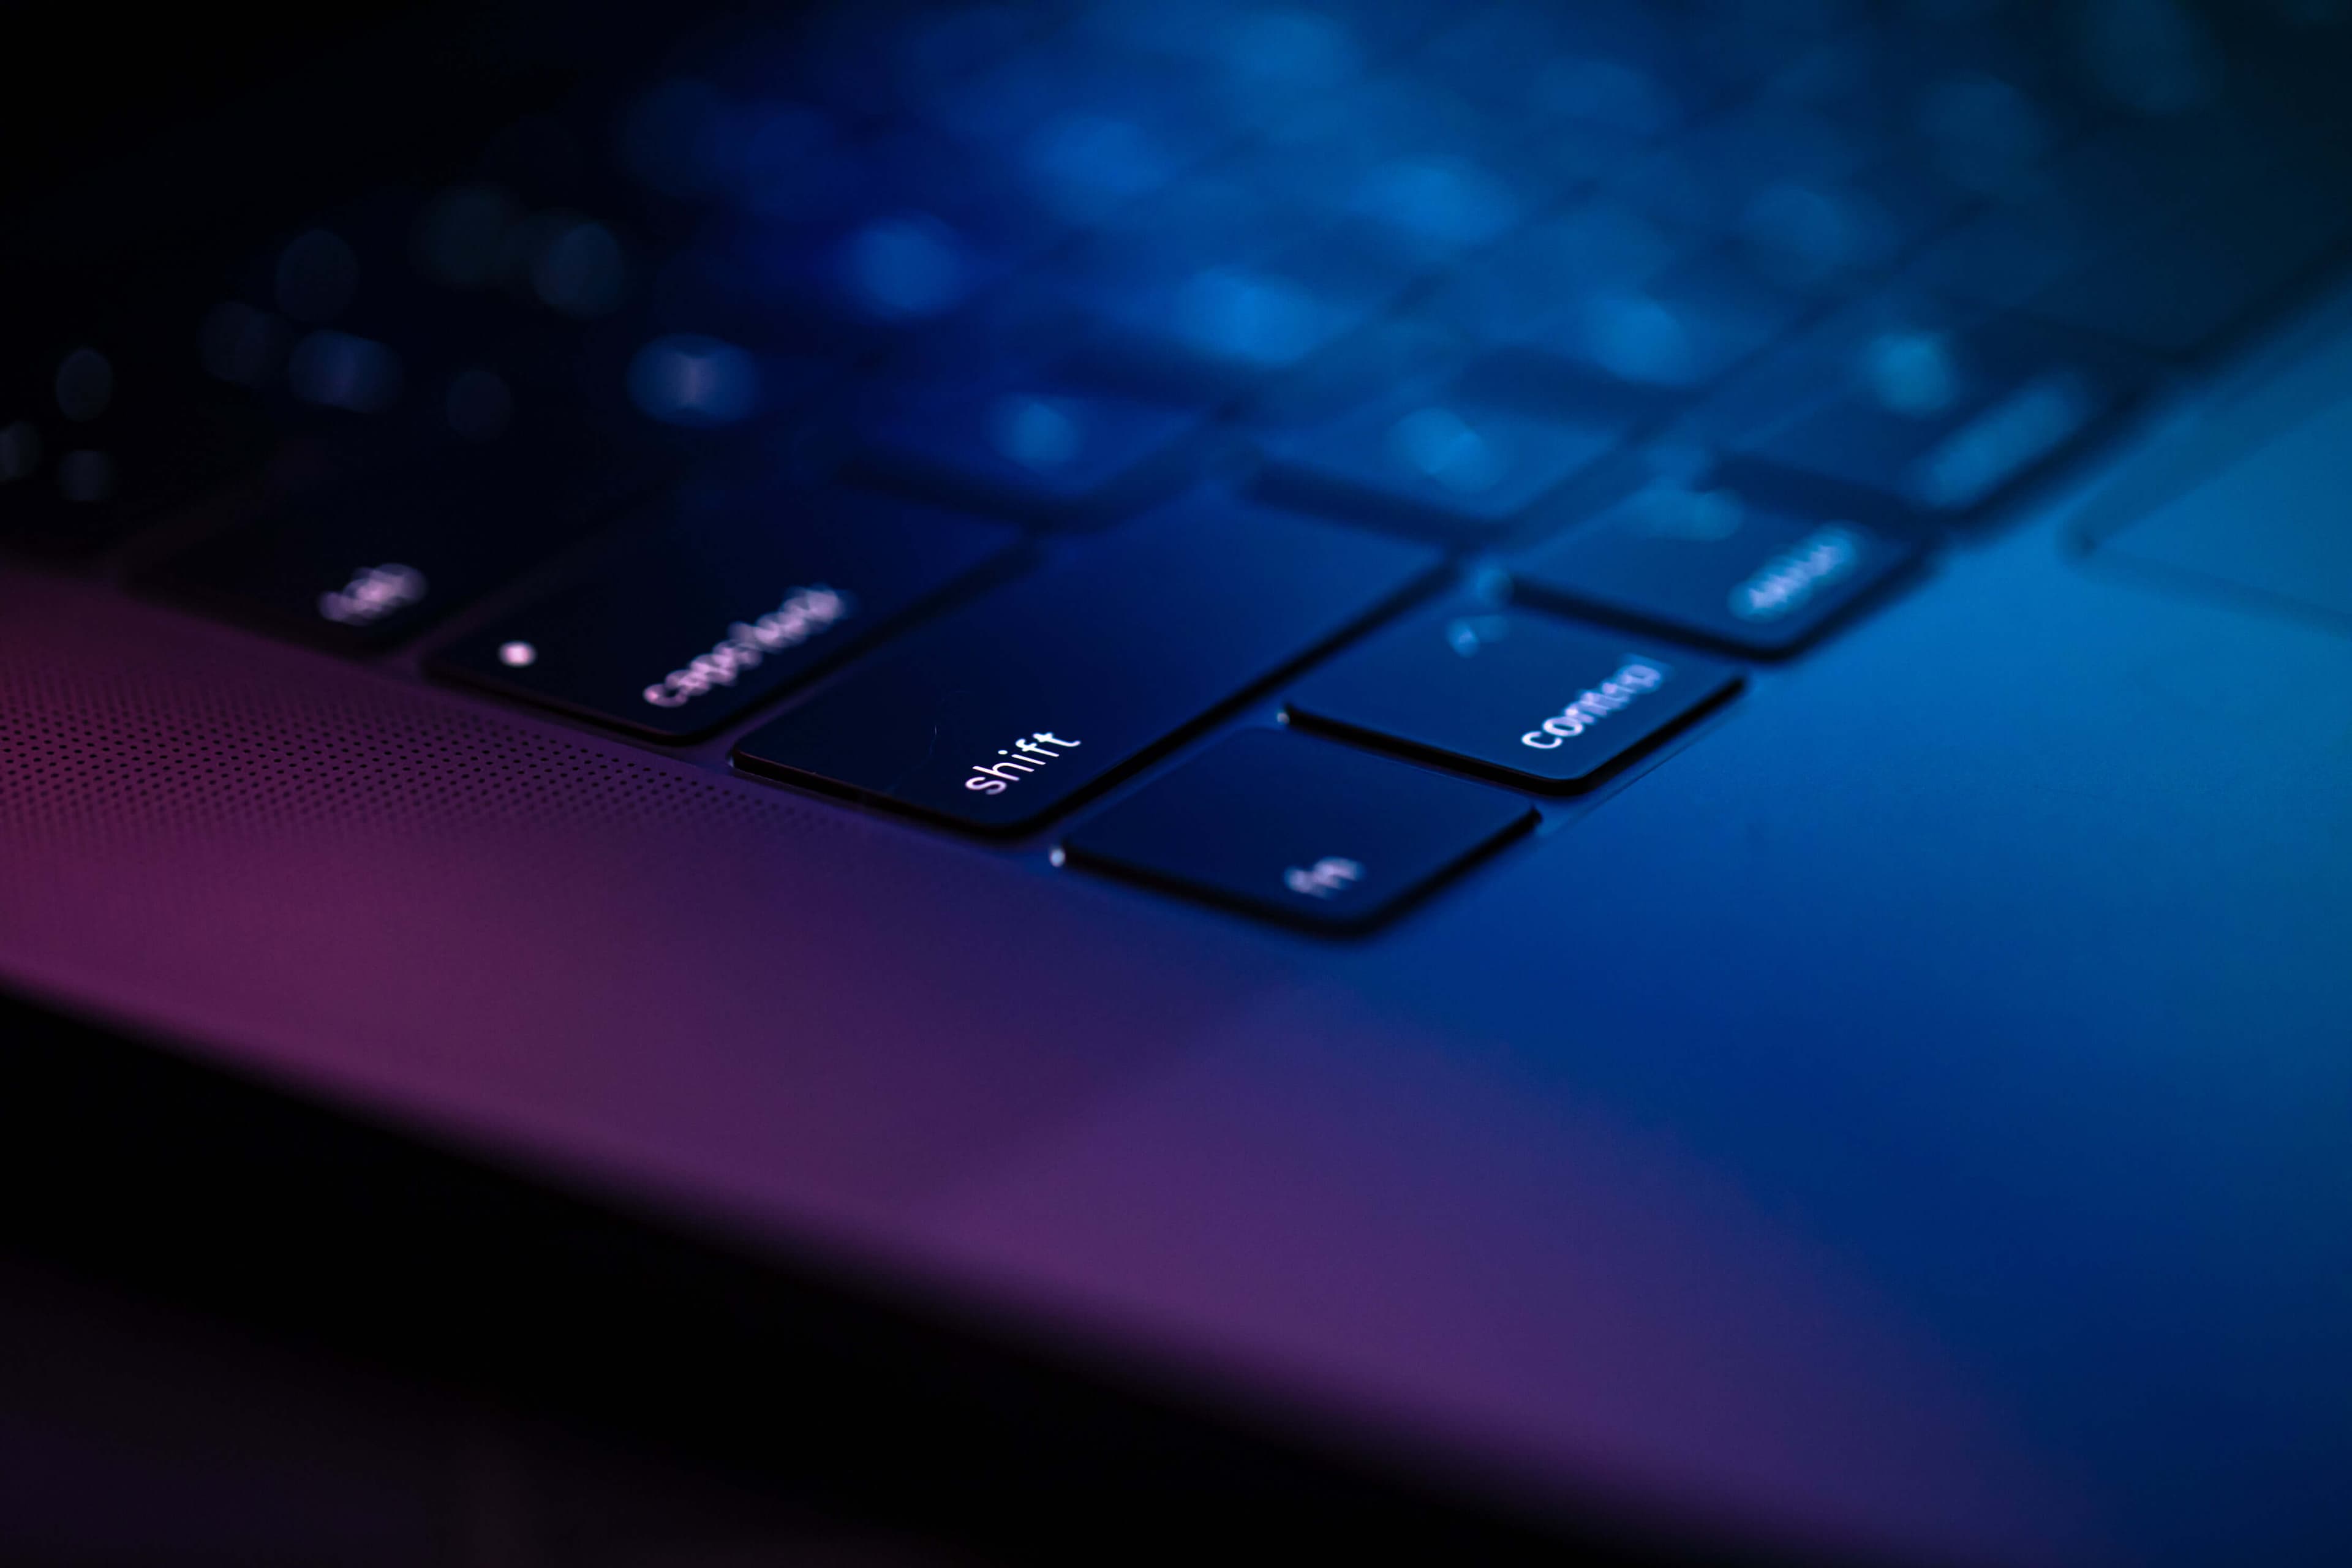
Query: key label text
1634	678
1792	577
1024	757
373	593
1331	875
804	614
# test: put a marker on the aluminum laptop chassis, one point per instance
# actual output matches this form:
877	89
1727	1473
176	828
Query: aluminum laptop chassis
1906	1118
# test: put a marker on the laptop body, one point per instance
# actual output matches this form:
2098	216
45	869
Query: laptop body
1890	1110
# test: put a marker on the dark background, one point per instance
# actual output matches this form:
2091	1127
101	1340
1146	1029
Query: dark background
238	1327
83	84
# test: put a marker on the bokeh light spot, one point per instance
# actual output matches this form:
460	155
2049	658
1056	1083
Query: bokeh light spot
1640	340
1235	314
1035	431
907	267
1440	445
1912	372
337	370
691	380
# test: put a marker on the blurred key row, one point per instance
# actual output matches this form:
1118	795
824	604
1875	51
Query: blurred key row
1030	257
995	364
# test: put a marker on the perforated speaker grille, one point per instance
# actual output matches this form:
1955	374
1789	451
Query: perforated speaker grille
279	860
112	736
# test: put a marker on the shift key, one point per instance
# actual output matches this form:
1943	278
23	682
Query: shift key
999	715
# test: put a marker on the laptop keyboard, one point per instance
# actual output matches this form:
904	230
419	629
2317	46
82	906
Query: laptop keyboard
970	403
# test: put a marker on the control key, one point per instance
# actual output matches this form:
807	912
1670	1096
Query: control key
1536	701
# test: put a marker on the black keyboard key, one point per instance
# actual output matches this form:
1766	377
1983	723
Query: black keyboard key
1218	328
1477	452
1551	71
675	635
1933	406
1541	702
1825	241
1706	179
1522	289
1299	829
1042	448
1685	329
1390	357
2004	254
999	714
374	559
1717	566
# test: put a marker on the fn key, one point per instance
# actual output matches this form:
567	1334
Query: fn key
1299	829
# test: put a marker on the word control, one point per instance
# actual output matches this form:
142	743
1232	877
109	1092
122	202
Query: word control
1527	697
1332	875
